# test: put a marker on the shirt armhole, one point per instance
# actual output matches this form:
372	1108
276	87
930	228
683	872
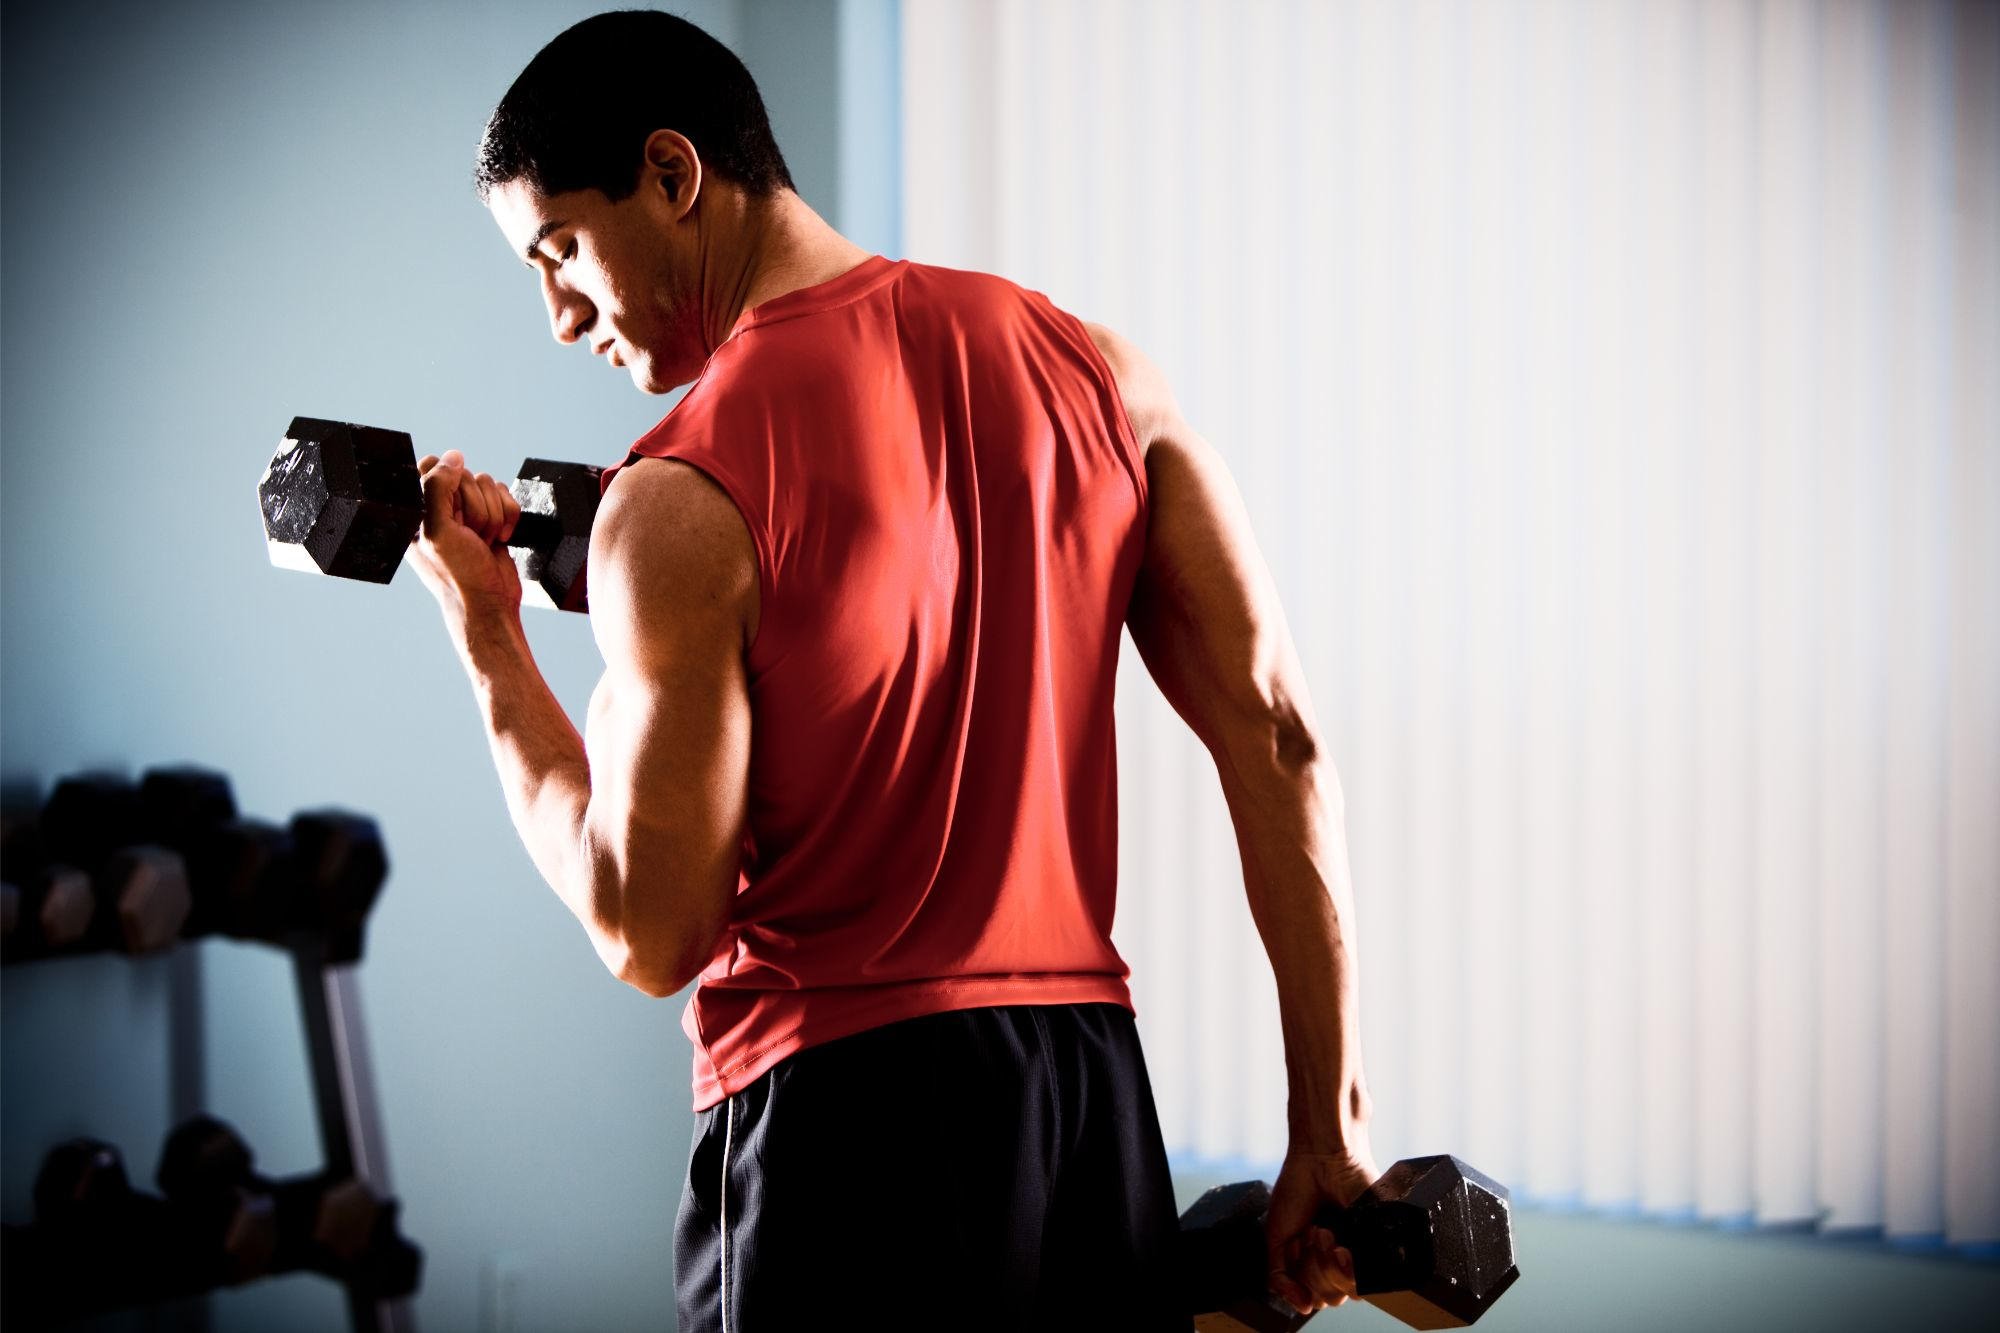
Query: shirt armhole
1121	423
759	539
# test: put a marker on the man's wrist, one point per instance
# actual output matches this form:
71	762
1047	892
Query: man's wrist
487	637
1331	1128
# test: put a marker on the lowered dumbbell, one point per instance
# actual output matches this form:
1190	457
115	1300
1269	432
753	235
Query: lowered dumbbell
1432	1240
346	500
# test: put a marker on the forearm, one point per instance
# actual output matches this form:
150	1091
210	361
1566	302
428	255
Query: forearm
1291	834
544	770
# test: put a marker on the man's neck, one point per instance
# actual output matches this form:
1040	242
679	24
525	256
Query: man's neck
787	246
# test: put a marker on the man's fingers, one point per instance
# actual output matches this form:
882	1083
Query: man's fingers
441	487
501	509
1312	1272
1322	1264
482	508
1328	1269
481	503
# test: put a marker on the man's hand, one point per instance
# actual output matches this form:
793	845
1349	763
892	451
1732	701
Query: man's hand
1304	1264
461	553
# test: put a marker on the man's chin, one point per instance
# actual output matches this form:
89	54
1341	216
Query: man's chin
644	381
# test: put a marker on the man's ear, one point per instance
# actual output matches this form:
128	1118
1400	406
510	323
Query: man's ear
672	161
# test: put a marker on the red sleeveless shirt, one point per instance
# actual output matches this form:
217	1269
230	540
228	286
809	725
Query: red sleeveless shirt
949	510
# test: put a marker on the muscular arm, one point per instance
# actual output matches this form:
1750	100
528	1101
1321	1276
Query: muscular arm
638	824
673	602
1206	620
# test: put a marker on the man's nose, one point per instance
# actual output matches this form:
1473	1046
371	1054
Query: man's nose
569	312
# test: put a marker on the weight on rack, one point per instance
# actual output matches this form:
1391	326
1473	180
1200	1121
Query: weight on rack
323	1222
89	874
96	1243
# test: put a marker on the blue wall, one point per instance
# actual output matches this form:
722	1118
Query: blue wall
216	217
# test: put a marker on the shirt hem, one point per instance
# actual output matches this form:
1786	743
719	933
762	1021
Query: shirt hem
900	1002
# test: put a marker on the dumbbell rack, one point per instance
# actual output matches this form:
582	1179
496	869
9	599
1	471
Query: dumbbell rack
326	969
350	1122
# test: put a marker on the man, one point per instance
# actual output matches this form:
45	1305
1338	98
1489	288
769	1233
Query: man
851	765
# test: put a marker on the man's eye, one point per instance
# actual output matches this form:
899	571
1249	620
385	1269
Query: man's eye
569	252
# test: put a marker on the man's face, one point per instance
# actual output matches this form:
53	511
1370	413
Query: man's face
606	274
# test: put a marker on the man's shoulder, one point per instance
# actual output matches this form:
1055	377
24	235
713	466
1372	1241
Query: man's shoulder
1142	386
668	526
665	490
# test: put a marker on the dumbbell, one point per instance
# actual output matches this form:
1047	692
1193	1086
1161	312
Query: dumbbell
49	904
256	880
192	809
96	822
205	1174
98	1244
326	1222
345	499
1432	1240
320	874
337	1226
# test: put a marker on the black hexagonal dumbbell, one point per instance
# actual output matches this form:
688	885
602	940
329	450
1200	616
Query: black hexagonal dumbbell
241	870
50	903
1432	1240
327	1222
256	880
333	1224
341	864
205	1172
96	1244
346	500
96	822
318	875
193	810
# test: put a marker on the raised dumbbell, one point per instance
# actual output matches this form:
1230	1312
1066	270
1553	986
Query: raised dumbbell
1432	1240
346	500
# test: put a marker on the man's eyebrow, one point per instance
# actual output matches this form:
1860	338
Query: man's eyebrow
541	234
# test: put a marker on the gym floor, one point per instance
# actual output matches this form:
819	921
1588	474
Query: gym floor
1591	1274
1582	1273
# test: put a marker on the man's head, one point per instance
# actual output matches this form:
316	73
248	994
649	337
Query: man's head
593	165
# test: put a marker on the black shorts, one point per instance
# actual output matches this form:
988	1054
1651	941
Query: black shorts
1011	1177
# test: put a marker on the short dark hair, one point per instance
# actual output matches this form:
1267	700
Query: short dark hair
578	115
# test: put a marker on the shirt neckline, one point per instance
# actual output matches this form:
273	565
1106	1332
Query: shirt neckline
857	282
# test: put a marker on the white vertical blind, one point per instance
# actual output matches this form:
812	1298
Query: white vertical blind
1615	390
